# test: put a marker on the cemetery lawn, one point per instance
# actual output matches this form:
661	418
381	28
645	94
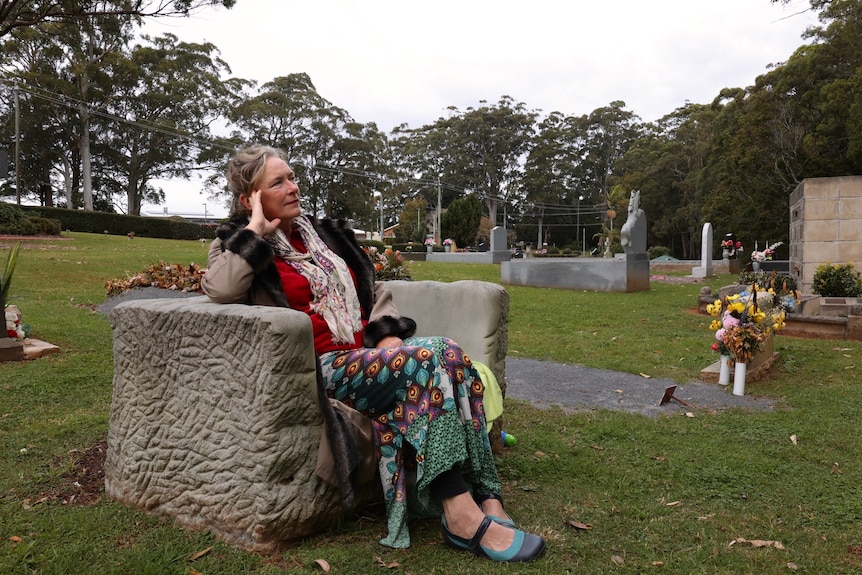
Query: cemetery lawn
612	492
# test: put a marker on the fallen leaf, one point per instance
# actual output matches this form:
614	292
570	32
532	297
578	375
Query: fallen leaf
689	414
381	563
850	367
793	439
620	391
578	525
792	566
618	560
757	543
200	554
646	376
705	517
323	564
597	447
193	572
673	504
659	458
15	539
658	563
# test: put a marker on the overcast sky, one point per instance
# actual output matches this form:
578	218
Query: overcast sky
395	61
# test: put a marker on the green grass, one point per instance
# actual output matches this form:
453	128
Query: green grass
676	490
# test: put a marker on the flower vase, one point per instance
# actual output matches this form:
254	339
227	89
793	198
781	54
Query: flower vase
429	248
448	248
755	265
739	378
725	254
724	369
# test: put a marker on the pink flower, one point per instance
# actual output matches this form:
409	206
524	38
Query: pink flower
719	335
729	321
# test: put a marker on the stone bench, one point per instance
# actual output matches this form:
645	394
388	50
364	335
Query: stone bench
214	418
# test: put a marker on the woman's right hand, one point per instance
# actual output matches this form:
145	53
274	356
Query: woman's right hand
258	222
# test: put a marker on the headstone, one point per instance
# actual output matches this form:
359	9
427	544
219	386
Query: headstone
498	239
704	270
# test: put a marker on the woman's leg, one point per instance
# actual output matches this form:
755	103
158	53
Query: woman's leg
465	525
426	393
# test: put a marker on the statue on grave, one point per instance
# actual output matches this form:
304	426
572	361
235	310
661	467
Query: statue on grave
633	232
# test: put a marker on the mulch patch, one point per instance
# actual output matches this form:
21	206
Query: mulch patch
84	484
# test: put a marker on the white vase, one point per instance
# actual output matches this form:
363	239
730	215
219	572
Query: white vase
739	378
724	369
755	265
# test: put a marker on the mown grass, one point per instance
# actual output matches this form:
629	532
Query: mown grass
665	494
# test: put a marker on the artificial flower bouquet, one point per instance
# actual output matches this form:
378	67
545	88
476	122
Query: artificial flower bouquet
766	254
429	241
388	264
731	246
744	322
14	328
448	242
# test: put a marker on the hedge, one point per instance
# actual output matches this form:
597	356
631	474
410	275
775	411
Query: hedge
120	224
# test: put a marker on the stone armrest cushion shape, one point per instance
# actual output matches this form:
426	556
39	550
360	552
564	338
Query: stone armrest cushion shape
214	418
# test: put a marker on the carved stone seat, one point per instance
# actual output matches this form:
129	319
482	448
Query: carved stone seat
214	418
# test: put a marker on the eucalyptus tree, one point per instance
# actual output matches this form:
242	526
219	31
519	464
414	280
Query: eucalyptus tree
666	164
571	165
42	127
16	14
89	49
165	97
331	154
480	150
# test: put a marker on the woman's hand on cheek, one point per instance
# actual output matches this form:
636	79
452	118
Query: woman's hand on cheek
389	342
258	222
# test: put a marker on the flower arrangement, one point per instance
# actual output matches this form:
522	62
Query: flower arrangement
731	246
448	242
388	264
784	287
429	241
744	321
766	254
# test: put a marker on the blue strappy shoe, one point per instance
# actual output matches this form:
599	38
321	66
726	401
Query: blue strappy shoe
525	546
504	521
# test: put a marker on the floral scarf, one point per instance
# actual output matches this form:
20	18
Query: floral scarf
333	293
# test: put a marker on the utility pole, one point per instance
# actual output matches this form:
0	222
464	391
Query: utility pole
17	147
439	199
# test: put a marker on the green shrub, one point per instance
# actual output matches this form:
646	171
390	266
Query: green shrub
836	280
553	250
658	251
11	215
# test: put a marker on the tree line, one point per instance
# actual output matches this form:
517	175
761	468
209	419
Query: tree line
100	113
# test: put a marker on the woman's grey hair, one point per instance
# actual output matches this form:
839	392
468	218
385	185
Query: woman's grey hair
243	172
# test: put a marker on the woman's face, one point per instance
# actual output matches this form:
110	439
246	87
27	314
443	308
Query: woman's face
279	193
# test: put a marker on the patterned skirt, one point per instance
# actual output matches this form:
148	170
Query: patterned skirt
425	403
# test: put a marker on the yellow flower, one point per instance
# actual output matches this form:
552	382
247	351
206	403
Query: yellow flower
714	308
758	317
736	306
715	325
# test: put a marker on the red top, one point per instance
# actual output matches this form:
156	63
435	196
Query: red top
298	292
